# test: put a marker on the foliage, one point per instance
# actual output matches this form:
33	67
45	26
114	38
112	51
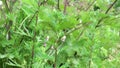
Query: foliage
59	34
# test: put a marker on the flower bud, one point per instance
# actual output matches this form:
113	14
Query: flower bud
47	38
52	47
63	38
80	21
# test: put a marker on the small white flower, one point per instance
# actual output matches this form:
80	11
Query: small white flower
47	38
80	21
52	47
63	38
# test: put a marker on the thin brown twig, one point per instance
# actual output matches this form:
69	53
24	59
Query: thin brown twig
110	7
65	6
36	11
76	28
106	13
42	3
35	33
32	17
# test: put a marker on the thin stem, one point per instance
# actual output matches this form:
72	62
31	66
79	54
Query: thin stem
76	28
33	46
32	17
65	6
42	3
105	13
110	7
9	24
90	57
58	5
80	34
90	5
55	64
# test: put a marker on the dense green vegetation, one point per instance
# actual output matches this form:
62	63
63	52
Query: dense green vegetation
59	33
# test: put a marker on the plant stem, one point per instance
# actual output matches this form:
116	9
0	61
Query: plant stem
9	24
55	64
65	6
33	46
90	5
110	7
32	18
105	13
58	5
